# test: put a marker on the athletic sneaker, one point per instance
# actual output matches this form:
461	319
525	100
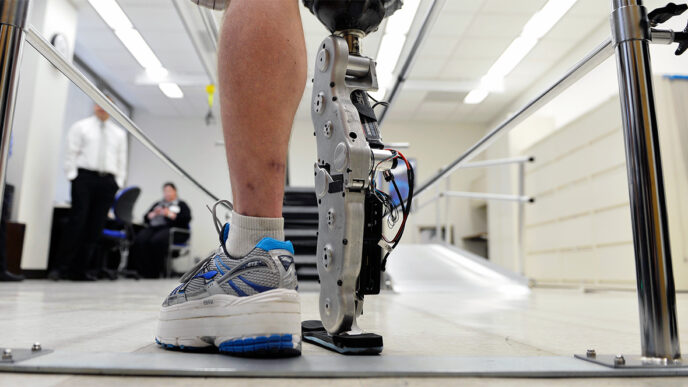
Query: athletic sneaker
245	306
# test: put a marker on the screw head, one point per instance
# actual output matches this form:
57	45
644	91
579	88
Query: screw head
7	354
590	353
619	360
36	347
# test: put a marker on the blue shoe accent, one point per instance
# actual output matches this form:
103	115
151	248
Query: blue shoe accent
218	263
238	291
256	287
268	244
225	234
261	345
207	275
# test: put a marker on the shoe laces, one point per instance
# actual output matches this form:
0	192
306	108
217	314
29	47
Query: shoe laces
213	211
218	227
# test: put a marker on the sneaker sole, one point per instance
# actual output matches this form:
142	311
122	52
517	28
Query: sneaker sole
263	325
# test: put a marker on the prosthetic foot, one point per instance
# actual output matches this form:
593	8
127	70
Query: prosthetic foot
351	246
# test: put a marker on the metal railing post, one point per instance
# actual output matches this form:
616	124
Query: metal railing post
447	219
13	16
655	280
521	218
438	231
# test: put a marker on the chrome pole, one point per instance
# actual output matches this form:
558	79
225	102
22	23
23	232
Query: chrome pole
13	16
654	275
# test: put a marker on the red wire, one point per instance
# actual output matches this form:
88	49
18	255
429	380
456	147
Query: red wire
403	222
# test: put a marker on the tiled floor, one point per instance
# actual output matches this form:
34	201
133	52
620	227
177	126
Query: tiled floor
461	310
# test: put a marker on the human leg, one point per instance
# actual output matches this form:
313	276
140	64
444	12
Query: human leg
102	191
73	235
159	244
139	251
260	91
243	297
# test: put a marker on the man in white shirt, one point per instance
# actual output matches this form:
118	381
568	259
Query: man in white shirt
95	162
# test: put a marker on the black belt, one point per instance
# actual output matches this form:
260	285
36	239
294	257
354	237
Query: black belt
95	173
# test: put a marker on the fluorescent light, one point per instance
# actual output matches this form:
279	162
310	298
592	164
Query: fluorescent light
400	22
113	15
390	50
398	26
543	21
537	27
171	90
111	12
138	47
476	96
157	73
511	57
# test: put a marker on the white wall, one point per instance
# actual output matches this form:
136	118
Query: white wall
193	146
38	128
579	229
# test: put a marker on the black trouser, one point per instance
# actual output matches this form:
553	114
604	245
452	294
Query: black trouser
6	206
148	252
92	196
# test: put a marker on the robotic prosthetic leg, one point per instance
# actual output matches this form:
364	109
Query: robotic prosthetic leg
350	153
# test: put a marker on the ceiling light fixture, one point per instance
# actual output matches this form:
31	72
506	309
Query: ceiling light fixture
111	12
114	16
391	45
537	27
138	47
171	90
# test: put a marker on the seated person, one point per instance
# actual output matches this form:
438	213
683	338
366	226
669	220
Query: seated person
150	247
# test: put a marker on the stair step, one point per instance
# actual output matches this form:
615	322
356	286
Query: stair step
300	212
307	273
300	196
305	260
300	234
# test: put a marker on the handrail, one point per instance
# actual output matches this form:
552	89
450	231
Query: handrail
496	162
592	60
489	196
41	45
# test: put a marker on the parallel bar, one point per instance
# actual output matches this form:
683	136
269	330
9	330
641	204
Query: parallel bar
490	196
428	21
496	162
595	58
418	207
654	274
46	49
13	16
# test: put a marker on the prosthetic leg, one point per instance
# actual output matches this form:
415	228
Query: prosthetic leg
350	154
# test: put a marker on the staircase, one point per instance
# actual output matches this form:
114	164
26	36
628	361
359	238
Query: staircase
300	212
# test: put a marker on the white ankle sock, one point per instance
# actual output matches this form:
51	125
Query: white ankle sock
246	231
